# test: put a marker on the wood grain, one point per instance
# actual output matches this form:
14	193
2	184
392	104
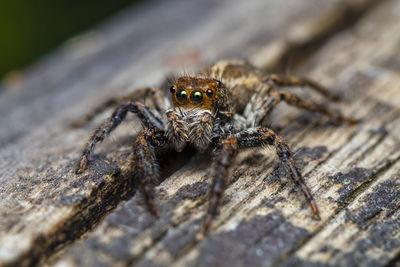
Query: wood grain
353	171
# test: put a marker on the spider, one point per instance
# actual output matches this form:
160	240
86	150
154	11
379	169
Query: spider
221	110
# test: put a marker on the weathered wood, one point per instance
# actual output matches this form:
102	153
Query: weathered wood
352	171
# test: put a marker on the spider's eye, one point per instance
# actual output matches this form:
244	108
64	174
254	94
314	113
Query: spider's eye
172	89
181	95
219	83
196	97
209	92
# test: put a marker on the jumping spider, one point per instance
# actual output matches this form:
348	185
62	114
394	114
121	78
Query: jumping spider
219	111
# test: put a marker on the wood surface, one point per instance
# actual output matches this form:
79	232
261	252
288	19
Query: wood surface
51	216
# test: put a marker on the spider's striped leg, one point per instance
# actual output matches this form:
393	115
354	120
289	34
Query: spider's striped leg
220	173
269	97
256	137
152	97
147	118
281	80
144	164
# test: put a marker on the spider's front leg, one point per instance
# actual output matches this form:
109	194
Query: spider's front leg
145	169
148	119
220	173
152	97
256	137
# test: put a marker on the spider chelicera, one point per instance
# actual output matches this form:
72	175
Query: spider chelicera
219	111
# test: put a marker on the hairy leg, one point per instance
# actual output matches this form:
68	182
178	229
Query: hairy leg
144	164
219	175
281	80
148	119
256	137
269	97
152	97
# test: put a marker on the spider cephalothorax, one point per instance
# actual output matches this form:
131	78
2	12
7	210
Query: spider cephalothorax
197	102
203	93
219	111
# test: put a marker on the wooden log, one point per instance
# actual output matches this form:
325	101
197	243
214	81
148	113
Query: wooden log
351	170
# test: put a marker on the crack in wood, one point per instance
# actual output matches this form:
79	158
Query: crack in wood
91	209
359	190
332	22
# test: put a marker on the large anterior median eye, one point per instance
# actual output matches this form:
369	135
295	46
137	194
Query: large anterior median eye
181	95
196	97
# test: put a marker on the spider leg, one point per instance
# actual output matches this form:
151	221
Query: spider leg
148	119
281	80
220	173
269	97
152	97
260	136
145	166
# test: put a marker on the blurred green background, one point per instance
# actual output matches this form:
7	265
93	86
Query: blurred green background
29	29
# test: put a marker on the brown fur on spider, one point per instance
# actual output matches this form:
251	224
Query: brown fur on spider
219	111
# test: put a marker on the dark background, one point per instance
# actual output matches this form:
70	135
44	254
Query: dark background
29	29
